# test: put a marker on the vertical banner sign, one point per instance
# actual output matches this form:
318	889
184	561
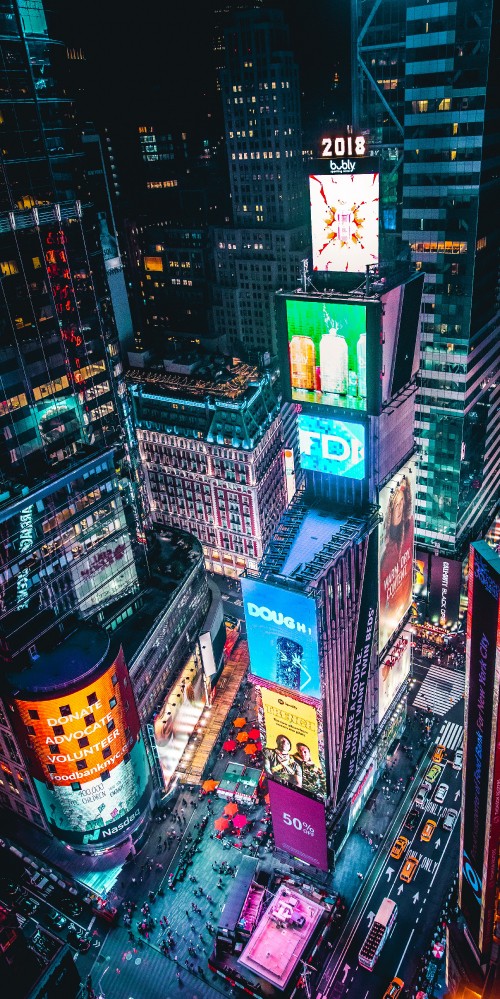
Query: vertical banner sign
444	594
481	817
359	670
395	552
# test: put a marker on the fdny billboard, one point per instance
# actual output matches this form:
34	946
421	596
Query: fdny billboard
334	447
282	636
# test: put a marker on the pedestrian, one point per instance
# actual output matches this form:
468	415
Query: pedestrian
360	876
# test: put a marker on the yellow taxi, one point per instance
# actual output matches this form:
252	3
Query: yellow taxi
399	847
438	754
428	831
394	989
408	869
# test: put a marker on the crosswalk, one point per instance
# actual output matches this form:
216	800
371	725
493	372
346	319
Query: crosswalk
441	690
451	735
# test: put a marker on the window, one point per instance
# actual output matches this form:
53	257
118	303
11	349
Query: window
112	702
33	714
76	786
30	730
81	764
58	729
106	752
51	768
89	720
64	710
83	742
114	679
53	748
105	775
92	698
110	726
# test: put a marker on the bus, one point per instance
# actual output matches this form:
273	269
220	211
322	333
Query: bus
378	933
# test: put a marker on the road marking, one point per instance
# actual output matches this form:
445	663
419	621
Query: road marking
400	889
346	969
416	898
370	916
406	948
457	794
389	873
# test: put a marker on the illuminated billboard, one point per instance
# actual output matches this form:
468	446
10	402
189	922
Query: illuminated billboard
393	671
396	533
327	352
444	591
344	221
334	447
291	749
86	757
282	636
480	829
299	825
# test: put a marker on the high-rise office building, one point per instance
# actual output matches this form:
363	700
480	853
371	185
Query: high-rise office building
261	250
424	89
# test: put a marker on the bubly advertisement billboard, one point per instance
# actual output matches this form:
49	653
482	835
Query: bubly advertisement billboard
333	447
396	534
480	829
299	825
327	353
282	636
86	757
393	672
359	671
291	748
344	221
444	592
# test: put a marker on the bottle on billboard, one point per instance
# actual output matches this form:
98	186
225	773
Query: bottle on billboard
289	655
303	363
333	358
361	358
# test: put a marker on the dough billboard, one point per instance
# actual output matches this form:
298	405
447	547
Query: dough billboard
344	221
396	533
86	757
282	636
291	750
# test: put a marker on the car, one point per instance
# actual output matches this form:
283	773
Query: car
78	939
428	830
433	773
438	754
408	869
399	847
394	989
411	819
449	819
459	757
57	921
441	793
420	797
27	905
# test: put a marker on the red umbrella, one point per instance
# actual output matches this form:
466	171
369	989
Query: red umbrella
221	823
231	808
258	745
229	745
254	733
239	821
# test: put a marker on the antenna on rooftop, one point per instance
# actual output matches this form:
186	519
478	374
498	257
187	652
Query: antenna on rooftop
304	272
306	971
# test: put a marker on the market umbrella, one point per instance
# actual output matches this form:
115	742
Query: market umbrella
221	823
254	733
210	784
239	722
267	799
239	821
231	808
258	746
229	745
250	748
242	736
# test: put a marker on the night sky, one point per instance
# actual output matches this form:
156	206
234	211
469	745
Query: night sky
157	55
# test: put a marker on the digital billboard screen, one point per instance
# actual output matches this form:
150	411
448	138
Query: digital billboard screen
327	353
299	825
282	636
480	838
396	535
393	672
291	745
444	592
86	756
330	446
344	221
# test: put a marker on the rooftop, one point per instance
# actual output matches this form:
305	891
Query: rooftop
58	667
281	936
226	381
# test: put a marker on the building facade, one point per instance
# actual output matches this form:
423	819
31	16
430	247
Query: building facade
212	458
425	91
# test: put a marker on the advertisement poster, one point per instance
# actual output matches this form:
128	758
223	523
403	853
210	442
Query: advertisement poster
344	221
282	636
291	750
444	593
359	671
481	722
299	825
421	574
393	672
397	503
327	353
333	447
86	756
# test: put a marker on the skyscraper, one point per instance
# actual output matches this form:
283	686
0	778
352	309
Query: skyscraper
424	90
262	249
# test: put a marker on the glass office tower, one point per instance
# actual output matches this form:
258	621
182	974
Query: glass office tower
424	89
